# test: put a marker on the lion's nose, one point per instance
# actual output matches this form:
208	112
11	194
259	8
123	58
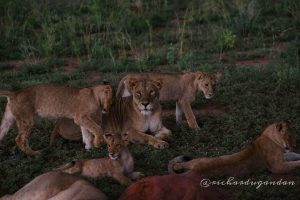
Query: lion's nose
145	104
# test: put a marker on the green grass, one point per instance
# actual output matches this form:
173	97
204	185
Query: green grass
108	39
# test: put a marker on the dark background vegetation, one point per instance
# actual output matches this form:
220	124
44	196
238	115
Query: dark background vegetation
255	44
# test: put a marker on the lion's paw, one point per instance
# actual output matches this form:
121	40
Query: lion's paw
137	175
161	144
88	146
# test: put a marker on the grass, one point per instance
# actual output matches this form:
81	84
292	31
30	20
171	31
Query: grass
108	39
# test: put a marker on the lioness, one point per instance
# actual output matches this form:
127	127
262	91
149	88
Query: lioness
181	87
57	186
266	152
135	114
119	165
54	101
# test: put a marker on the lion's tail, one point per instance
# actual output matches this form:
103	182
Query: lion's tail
5	93
178	159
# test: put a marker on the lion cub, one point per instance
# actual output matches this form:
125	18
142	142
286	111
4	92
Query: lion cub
271	150
119	165
54	101
179	87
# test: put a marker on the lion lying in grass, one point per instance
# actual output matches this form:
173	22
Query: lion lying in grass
57	186
119	165
54	101
180	87
268	151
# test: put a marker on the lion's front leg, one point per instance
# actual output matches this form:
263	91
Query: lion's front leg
87	138
122	179
149	139
189	115
87	123
163	133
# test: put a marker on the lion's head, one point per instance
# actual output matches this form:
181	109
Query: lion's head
281	134
206	82
116	143
145	94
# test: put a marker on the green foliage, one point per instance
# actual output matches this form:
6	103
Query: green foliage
222	39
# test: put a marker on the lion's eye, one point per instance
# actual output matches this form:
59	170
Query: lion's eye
152	93
138	94
206	85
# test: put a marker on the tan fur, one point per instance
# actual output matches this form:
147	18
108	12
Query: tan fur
57	186
54	101
129	115
119	165
180	87
266	152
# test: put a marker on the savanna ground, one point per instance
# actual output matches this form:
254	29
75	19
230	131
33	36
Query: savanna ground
255	44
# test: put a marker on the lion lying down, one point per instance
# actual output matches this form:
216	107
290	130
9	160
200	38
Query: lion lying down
54	101
119	165
57	186
269	151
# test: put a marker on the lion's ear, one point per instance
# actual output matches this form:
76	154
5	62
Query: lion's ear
283	125
218	76
132	82
199	75
158	83
279	126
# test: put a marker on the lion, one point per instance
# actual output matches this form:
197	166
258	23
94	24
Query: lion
119	165
179	87
53	101
136	114
57	186
268	151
